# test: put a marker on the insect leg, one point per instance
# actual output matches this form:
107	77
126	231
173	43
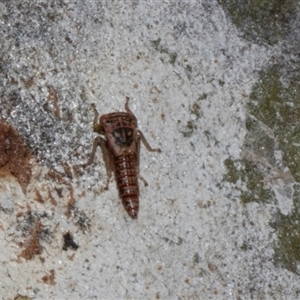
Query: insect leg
97	127
99	141
139	133
128	109
143	139
138	136
138	143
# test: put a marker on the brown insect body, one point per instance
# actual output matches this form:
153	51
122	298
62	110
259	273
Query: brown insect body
119	129
120	150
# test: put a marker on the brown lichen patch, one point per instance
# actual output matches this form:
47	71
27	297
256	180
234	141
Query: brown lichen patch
52	200
71	257
155	90
49	279
76	170
14	155
38	197
67	170
52	98
211	267
59	191
21	297
28	82
56	176
33	247
71	201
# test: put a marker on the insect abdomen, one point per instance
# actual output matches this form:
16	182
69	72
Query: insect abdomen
126	178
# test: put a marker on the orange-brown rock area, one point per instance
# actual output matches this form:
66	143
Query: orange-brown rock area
14	155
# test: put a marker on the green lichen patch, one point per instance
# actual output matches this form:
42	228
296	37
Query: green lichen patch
276	106
273	127
272	145
157	45
260	142
251	176
188	129
261	21
287	247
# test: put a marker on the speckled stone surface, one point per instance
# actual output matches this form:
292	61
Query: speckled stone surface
188	76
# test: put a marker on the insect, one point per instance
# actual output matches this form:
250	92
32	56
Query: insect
121	150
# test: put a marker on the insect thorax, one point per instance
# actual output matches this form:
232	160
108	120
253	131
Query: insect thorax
120	128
